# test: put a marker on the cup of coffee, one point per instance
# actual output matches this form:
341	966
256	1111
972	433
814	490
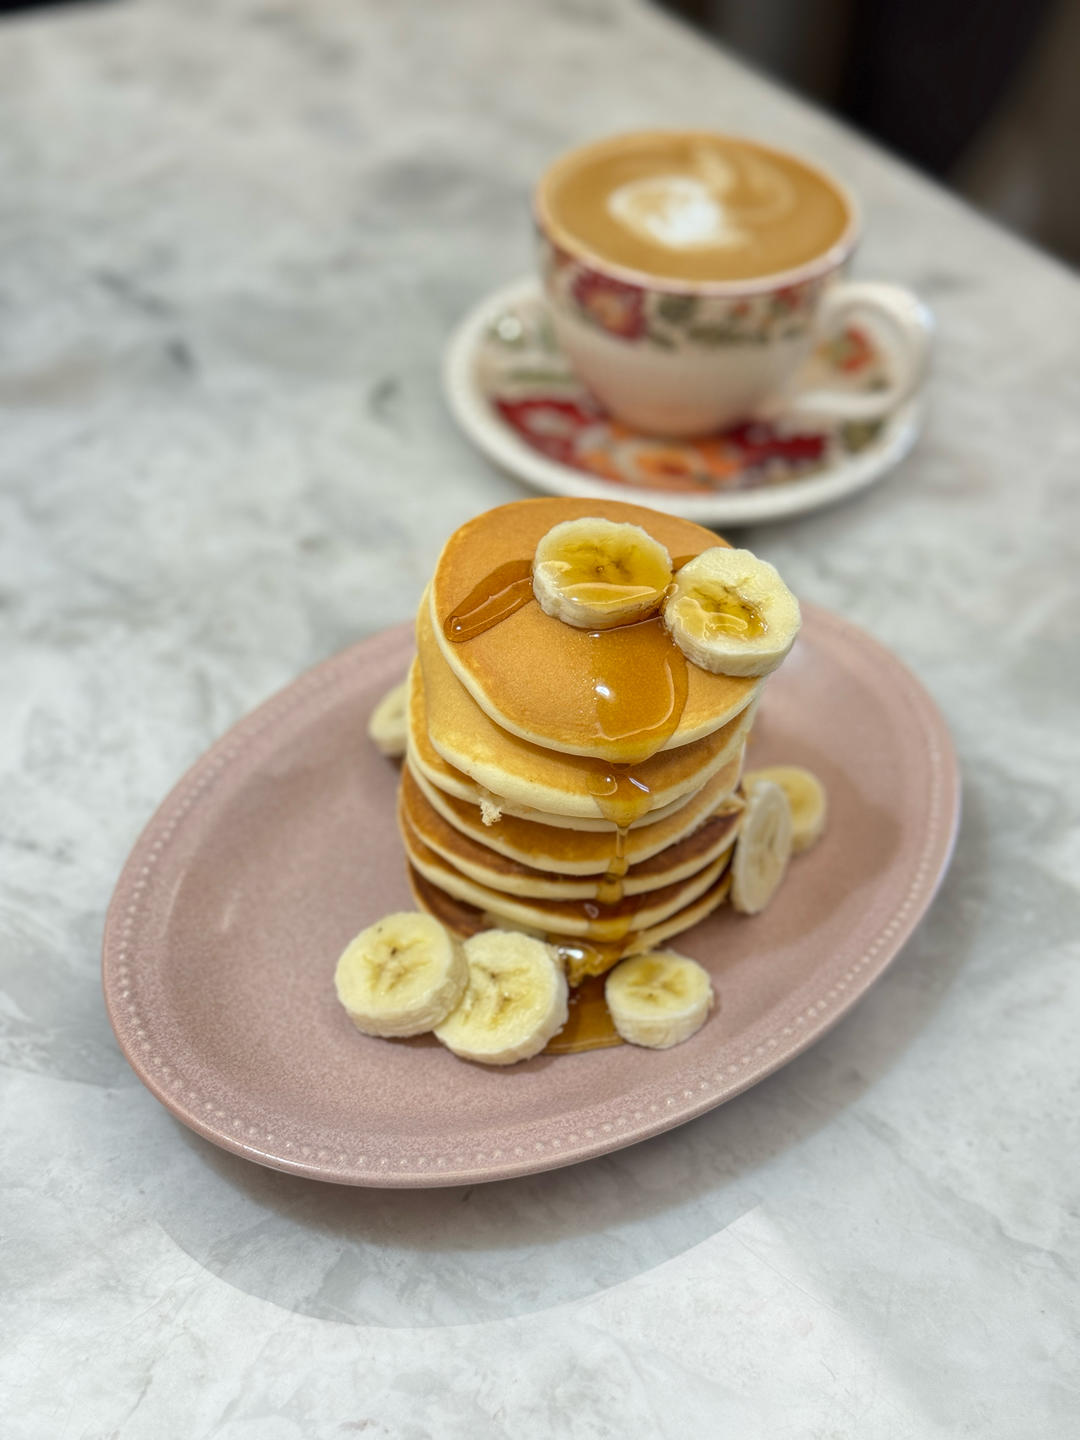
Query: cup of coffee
690	274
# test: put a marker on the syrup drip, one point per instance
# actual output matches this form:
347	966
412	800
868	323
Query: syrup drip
610	889
622	798
498	595
588	1024
616	927
639	681
583	958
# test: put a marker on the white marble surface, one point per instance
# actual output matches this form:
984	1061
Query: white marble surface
233	238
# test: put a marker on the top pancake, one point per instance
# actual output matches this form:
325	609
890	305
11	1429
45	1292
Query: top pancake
423	759
544	782
536	676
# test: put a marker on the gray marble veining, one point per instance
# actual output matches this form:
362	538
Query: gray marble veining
233	240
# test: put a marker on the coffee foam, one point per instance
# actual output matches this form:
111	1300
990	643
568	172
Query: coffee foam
692	206
675	211
704	210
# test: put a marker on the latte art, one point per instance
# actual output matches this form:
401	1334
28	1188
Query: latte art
692	206
719	206
676	211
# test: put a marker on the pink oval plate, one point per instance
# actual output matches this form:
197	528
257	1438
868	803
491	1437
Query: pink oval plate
279	845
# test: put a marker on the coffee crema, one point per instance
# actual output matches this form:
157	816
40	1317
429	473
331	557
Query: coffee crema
691	206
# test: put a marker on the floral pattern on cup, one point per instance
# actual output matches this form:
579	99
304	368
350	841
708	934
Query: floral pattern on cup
528	384
672	320
611	305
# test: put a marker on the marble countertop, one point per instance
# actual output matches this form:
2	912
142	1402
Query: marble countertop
233	240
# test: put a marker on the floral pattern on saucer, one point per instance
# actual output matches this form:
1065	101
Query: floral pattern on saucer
526	381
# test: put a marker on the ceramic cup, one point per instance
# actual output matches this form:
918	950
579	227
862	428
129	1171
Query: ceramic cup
687	357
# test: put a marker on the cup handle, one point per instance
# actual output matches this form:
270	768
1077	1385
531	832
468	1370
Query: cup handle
909	326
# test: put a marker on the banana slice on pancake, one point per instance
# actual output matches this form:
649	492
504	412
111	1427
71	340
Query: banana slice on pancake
595	574
731	614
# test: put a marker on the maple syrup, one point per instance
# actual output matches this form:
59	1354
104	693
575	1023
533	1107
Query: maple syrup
621	797
584	958
588	1023
729	613
639	680
496	598
610	889
627	581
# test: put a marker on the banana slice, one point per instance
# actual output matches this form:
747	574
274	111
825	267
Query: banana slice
515	1002
658	1000
596	574
763	848
806	796
731	614
401	976
387	726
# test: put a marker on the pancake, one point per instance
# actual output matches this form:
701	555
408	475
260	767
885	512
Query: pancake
713	838
424	760
567	851
508	669
532	778
579	959
586	919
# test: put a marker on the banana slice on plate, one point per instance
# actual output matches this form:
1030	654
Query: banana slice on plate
763	848
401	976
595	574
658	1000
515	1002
731	613
806	796
387	725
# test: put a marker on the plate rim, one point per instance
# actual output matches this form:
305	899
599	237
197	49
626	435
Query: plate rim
509	453
317	686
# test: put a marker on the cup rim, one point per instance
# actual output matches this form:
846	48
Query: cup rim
815	268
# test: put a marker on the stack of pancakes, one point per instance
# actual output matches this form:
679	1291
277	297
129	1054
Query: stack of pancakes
580	785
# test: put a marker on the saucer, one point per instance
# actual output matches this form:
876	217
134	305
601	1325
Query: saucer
512	392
